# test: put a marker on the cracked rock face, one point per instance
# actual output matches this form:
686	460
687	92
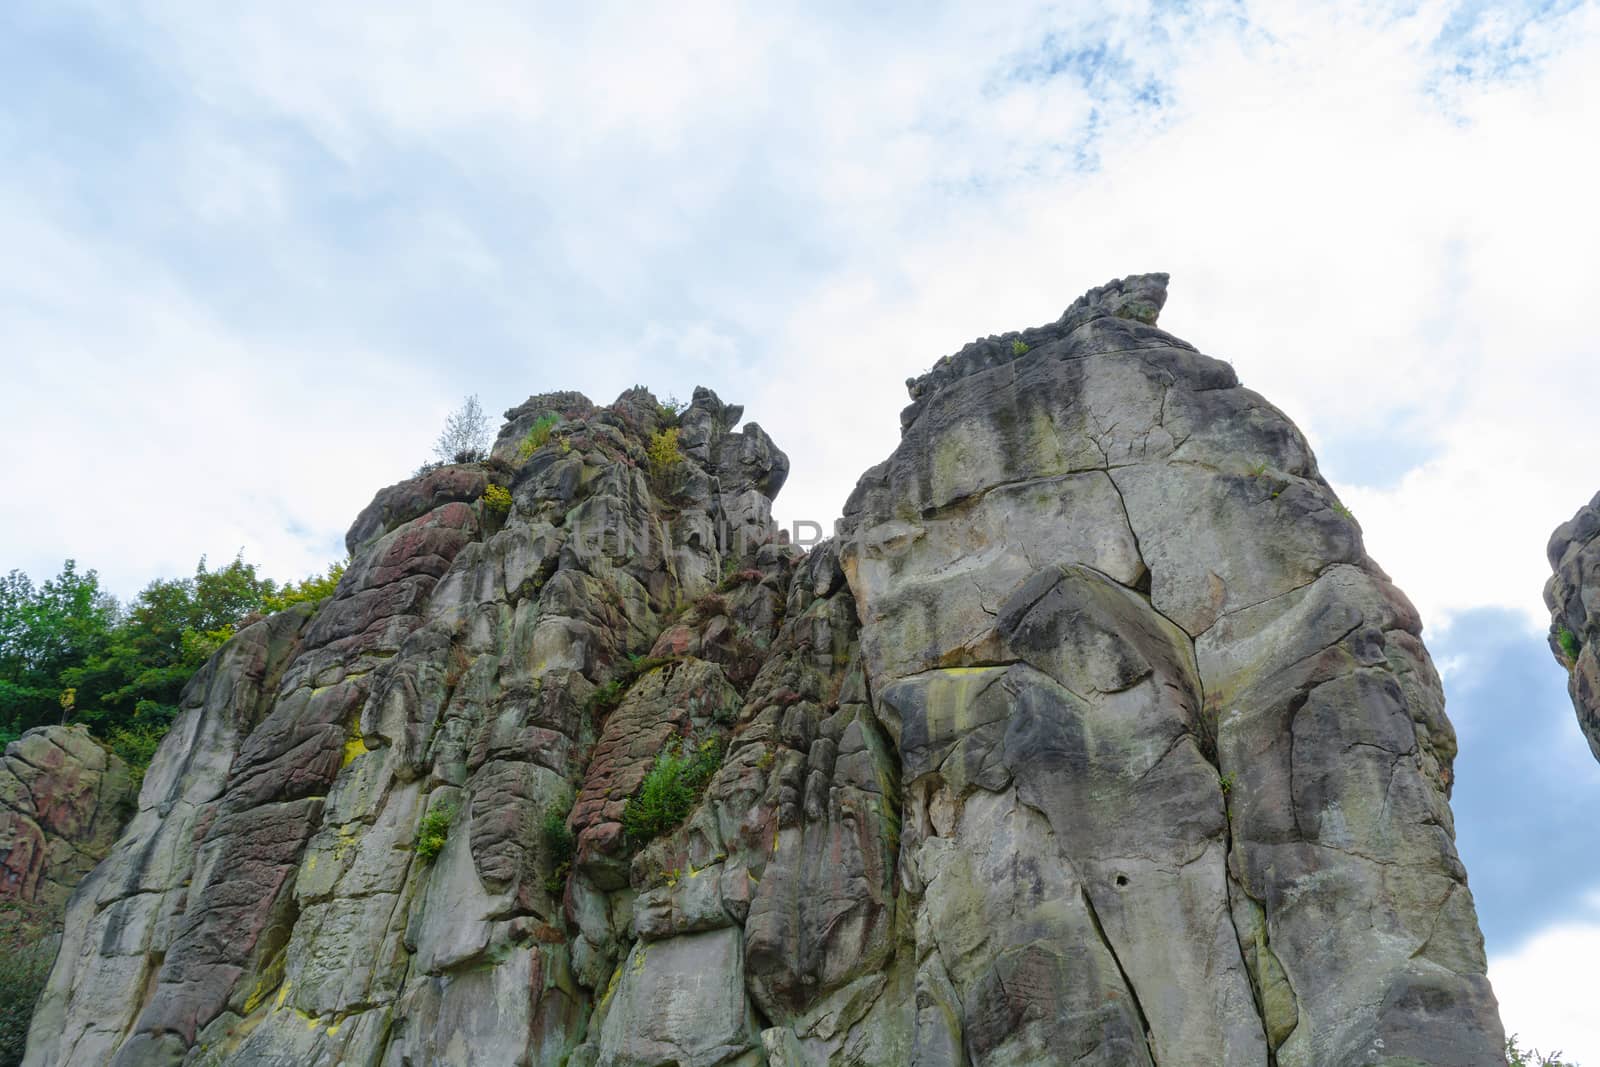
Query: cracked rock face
1093	737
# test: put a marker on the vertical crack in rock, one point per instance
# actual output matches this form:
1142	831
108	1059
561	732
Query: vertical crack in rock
1127	981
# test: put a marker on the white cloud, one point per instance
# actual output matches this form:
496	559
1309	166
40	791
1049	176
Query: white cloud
1546	988
1389	250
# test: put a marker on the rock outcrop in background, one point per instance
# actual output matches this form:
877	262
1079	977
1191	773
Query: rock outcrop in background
1573	596
1093	737
63	801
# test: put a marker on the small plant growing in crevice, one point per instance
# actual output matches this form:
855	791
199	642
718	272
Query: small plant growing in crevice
562	846
496	499
1570	645
666	460
605	698
711	605
537	437
1256	470
670	411
1226	782
433	832
1020	348
670	791
1343	512
732	578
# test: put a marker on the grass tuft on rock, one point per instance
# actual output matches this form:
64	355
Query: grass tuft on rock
537	437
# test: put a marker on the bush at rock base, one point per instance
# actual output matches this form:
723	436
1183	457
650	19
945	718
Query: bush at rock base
26	953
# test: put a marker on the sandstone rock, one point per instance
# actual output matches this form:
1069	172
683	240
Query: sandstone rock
1093	738
1573	596
63	802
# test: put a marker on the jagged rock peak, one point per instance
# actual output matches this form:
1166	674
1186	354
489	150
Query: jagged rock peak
1573	596
1136	299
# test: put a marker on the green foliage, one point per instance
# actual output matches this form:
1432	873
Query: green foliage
1344	512
168	633
1517	1056
433	831
537	437
26	953
44	631
562	846
1226	782
136	744
69	652
666	459
313	588
1256	470
496	499
605	698
1570	645
1020	348
671	790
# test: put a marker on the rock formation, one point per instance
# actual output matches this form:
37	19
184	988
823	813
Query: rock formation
1573	596
63	801
1093	737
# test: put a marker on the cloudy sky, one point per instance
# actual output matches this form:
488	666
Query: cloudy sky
252	260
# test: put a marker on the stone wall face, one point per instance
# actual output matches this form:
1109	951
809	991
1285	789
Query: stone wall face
1573	596
63	802
1094	737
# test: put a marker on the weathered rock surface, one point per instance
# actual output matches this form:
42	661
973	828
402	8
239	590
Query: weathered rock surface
1573	596
1093	737
63	802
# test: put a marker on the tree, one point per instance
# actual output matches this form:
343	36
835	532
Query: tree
44	632
67	651
465	437
312	587
170	630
